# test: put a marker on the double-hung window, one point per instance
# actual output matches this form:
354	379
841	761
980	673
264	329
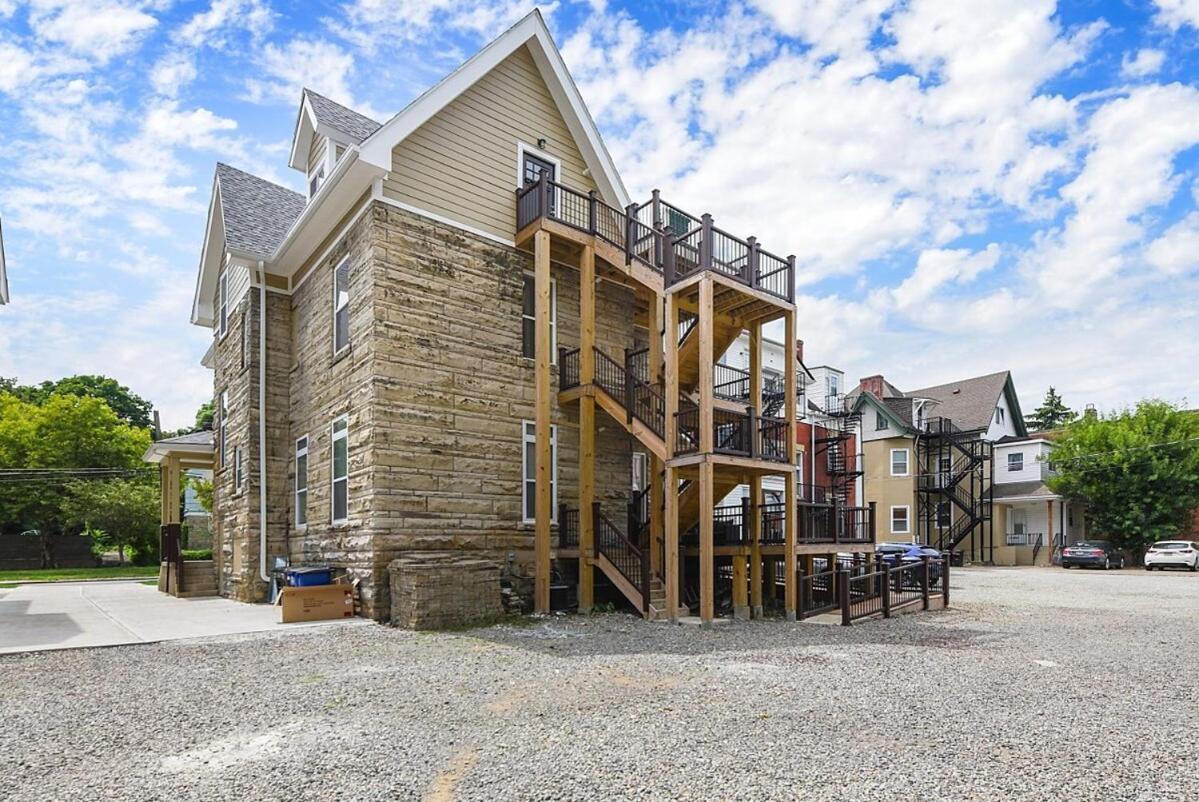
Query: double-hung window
880	421
640	471
341	306
1015	462
899	462
302	481
316	178
899	520
528	319
340	495
528	490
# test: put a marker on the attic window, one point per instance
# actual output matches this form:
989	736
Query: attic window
316	178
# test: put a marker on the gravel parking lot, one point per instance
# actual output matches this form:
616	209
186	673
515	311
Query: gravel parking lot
1036	684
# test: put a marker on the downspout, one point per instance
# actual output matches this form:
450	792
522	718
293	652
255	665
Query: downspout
262	316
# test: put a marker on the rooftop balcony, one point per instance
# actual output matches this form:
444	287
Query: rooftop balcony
660	236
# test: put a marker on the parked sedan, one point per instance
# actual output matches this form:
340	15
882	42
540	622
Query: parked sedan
1172	554
1092	553
897	554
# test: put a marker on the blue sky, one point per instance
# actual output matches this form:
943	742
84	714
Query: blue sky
968	186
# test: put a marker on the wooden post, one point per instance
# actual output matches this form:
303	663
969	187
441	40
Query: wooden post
945	581
670	390
790	501
843	596
707	557
706	361
755	481
740	595
924	559
656	466
885	590
544	492
586	430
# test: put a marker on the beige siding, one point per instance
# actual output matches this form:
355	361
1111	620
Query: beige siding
461	164
316	153
886	490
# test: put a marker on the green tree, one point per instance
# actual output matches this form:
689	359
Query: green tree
203	488
118	513
1137	470
1052	414
204	417
39	442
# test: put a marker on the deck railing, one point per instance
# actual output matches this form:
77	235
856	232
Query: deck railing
660	236
568	527
886	589
817	593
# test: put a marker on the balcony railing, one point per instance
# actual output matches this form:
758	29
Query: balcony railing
817	524
738	434
659	236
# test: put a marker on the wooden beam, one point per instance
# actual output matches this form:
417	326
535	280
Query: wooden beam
670	484
586	431
706	360
740	586
792	513
707	567
544	496
755	482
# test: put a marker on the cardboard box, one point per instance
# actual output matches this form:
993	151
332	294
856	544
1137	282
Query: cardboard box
316	603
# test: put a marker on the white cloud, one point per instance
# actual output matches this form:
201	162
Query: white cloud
1176	13
98	30
1176	251
317	64
371	24
1146	61
938	267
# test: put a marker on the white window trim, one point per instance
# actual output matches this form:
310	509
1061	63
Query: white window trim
521	149
528	434
300	452
907	508
339	351
222	439
640	457
222	319
335	435
553	319
907	462
1018	454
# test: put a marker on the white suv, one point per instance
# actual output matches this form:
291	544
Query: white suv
1172	554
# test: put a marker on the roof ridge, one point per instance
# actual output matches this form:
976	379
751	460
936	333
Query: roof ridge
228	166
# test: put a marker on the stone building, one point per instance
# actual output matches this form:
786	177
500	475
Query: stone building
385	346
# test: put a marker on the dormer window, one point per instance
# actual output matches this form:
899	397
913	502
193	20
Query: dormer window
316	178
999	415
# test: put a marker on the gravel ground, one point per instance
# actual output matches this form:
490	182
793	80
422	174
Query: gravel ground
1036	684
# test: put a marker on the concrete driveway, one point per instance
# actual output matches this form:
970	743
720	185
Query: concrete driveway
69	615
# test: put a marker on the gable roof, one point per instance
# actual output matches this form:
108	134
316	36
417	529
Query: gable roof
256	213
3	272
901	422
349	122
531	31
320	115
970	403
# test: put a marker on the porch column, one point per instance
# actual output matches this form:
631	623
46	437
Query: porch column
707	557
544	494
740	595
586	430
1049	526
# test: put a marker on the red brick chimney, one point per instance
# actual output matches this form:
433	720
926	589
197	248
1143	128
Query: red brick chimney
872	385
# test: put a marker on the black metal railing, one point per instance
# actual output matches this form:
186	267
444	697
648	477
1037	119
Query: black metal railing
568	368
817	593
568	527
623	554
660	236
730	383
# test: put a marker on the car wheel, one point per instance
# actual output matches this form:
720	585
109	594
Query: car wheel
1195	565
1107	563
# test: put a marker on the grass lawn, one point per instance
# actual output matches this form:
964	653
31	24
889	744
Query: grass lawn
9	579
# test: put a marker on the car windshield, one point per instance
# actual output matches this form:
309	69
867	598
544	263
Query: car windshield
1169	544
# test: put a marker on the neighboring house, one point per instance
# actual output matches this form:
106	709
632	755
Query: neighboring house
386	345
1035	522
3	269
928	459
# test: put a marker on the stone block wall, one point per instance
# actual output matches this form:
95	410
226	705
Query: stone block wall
444	590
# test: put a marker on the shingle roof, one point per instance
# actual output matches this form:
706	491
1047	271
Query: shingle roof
200	438
257	214
969	403
335	115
